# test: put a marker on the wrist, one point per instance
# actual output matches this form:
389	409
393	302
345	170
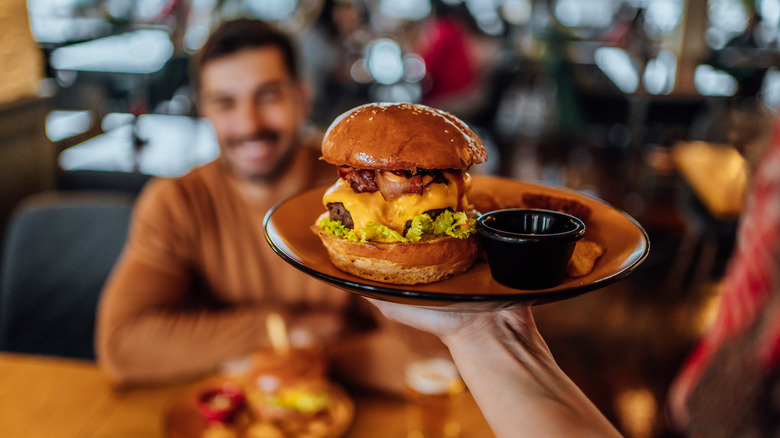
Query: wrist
470	335
481	340
506	333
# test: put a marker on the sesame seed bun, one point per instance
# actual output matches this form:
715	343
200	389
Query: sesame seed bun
401	136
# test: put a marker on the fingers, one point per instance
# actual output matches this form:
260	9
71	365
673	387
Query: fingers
440	322
387	308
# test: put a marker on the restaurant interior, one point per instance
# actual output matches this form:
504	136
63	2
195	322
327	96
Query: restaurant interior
649	105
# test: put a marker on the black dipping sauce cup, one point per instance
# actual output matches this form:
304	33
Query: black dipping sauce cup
529	249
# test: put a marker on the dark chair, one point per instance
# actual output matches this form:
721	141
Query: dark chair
706	245
58	250
130	183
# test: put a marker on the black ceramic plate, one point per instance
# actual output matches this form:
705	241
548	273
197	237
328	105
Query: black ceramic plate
288	230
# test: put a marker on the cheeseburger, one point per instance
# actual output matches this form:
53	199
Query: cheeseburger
399	212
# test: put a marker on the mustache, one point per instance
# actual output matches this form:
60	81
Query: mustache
262	135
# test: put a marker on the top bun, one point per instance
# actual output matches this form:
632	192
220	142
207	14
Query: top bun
401	136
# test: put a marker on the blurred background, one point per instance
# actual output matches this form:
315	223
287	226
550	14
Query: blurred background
611	97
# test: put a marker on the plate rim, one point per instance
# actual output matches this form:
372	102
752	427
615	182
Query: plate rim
404	292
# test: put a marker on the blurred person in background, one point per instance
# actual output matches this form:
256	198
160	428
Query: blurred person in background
629	34
733	373
335	42
728	387
197	281
446	43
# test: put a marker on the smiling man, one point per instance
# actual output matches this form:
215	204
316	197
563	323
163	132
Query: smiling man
197	281
256	105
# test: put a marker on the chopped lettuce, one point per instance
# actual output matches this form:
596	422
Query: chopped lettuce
336	228
421	224
375	232
456	225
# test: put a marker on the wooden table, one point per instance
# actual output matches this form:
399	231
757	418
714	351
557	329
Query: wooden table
716	173
54	397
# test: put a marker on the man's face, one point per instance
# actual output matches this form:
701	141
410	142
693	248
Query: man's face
256	108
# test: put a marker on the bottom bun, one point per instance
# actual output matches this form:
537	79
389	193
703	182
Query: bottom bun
402	263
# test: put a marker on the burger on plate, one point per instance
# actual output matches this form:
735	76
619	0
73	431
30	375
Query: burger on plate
399	212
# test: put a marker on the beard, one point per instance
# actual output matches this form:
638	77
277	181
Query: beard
279	164
262	135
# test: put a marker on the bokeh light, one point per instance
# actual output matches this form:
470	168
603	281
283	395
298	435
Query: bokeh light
384	61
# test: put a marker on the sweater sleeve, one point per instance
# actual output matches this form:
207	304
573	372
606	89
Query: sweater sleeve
148	328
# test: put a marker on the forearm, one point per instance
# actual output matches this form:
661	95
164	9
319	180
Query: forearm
162	345
519	387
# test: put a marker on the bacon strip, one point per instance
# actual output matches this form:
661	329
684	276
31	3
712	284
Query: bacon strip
361	180
393	185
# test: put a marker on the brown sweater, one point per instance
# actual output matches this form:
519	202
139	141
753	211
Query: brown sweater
197	279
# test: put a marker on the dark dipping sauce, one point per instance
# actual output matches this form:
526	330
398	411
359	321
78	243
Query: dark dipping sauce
529	248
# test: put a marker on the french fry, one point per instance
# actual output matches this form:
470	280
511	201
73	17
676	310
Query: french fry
586	253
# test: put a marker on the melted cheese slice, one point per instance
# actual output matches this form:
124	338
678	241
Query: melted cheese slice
372	207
